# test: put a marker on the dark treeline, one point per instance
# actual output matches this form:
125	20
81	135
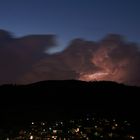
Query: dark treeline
64	99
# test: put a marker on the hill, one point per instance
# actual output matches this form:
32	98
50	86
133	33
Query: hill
63	99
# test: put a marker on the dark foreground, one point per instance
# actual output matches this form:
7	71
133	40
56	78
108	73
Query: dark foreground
69	110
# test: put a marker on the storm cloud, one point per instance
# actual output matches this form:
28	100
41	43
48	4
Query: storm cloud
17	55
22	60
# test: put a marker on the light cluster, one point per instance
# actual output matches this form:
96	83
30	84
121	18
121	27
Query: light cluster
84	128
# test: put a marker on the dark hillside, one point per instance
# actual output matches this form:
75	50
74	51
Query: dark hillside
62	99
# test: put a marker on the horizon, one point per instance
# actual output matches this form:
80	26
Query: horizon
69	81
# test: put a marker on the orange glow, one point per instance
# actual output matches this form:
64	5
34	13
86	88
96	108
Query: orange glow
95	76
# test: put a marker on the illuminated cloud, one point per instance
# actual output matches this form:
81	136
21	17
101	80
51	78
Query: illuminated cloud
118	61
113	58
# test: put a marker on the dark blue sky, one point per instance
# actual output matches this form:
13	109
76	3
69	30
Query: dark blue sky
89	19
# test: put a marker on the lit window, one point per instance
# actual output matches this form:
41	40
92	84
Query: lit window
95	126
54	131
116	124
77	130
132	137
96	134
31	137
54	137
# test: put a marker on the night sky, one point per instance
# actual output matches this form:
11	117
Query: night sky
89	19
100	24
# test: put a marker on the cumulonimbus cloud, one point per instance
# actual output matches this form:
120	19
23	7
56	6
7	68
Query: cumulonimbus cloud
112	58
17	55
